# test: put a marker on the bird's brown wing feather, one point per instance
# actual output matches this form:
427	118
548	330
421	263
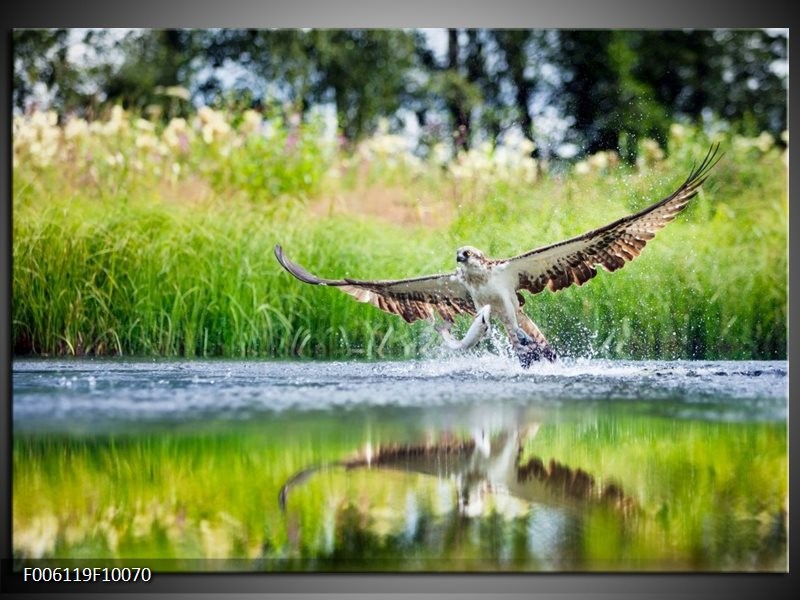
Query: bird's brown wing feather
412	299
558	266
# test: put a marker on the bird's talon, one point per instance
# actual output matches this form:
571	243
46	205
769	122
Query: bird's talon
523	337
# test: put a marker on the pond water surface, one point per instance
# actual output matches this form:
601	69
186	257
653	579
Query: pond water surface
462	464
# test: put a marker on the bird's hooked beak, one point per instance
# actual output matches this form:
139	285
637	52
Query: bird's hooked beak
461	256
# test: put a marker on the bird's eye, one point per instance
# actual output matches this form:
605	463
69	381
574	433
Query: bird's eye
467	253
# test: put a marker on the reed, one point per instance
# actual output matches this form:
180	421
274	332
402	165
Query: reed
111	260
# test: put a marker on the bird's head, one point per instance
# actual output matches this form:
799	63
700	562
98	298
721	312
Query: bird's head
470	258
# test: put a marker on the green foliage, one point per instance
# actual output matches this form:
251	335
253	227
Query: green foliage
365	74
611	107
622	86
127	241
610	87
154	61
41	57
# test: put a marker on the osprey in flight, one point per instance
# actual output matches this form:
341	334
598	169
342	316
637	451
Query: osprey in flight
481	286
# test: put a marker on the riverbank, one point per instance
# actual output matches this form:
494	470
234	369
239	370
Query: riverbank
146	243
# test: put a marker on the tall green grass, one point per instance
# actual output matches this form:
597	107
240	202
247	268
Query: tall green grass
131	267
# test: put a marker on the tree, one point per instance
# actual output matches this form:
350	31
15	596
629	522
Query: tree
154	61
748	89
609	108
364	73
612	87
41	60
514	45
729	74
618	86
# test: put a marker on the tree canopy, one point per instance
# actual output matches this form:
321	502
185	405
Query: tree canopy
607	88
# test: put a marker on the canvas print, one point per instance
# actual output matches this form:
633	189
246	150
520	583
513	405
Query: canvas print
412	300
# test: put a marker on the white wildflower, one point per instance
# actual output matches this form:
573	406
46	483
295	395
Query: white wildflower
116	123
76	128
598	161
213	125
177	91
146	141
650	153
764	142
176	135
38	137
678	132
440	154
582	167
251	122
144	125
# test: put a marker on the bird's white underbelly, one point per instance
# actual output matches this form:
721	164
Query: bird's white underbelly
503	304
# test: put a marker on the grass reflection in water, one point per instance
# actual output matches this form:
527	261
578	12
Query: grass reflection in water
695	495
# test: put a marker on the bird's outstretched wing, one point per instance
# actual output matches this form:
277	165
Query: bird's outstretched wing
412	299
558	266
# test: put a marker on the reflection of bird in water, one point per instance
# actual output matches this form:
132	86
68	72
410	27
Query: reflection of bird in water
480	466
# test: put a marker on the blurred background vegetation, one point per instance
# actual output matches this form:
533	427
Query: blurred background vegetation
605	89
155	169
